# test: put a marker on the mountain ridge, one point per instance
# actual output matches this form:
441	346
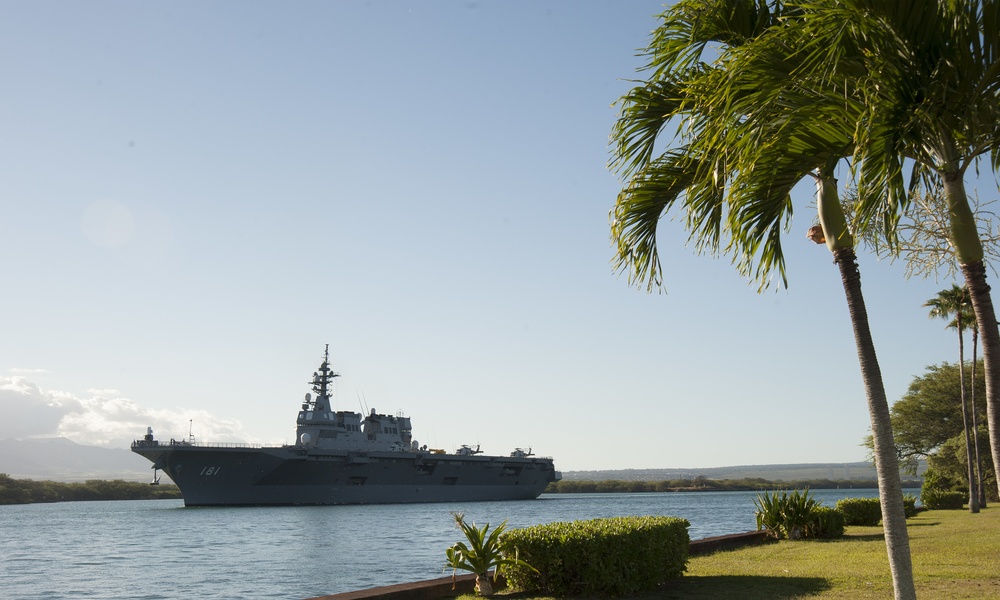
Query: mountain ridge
61	459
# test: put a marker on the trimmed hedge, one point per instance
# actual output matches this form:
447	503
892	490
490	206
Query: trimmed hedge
943	500
601	557
867	512
826	523
864	512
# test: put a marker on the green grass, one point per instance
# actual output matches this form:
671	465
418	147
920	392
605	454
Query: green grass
955	555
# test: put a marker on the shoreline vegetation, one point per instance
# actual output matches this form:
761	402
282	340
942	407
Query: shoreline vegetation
702	484
31	491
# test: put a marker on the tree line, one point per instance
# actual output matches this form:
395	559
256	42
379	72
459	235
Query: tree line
30	491
927	423
703	484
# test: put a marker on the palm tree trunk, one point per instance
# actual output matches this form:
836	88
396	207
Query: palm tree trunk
975	422
982	303
969	249
890	490
483	584
970	471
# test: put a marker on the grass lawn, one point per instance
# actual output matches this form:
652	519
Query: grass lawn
955	555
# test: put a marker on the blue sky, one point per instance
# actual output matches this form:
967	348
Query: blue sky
196	197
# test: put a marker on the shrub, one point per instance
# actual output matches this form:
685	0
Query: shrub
943	500
864	512
910	505
784	515
826	524
482	553
601	557
796	516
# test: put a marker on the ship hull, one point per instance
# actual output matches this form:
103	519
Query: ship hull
290	475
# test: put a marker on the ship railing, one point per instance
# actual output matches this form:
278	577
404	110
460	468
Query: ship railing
186	443
215	444
533	456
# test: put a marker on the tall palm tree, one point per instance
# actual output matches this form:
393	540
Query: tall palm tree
740	152
975	413
927	74
947	304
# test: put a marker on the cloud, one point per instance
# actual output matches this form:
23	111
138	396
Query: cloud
28	411
103	417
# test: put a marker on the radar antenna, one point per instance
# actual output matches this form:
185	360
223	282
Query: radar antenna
321	382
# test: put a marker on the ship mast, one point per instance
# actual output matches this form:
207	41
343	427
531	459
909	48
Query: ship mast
321	383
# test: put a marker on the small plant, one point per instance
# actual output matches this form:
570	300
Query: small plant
482	553
768	513
785	515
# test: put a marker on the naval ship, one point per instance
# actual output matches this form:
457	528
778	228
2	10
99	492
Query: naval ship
342	457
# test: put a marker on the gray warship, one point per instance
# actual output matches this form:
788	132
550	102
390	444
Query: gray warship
342	457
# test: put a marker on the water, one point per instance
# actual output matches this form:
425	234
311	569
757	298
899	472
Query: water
159	549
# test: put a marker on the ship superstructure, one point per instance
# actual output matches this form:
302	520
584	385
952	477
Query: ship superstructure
343	457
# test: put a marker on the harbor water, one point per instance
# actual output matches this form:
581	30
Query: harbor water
160	549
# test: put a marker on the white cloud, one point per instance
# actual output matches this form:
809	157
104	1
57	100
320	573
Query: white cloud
28	411
101	418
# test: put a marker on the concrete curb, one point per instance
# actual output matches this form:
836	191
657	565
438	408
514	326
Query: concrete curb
433	589
727	542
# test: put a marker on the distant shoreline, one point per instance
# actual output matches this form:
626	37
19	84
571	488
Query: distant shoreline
611	486
31	491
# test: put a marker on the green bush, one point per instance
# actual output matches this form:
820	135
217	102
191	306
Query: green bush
910	505
27	491
826	524
943	500
797	515
482	553
601	557
863	512
785	515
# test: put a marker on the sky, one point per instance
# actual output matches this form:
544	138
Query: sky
197	197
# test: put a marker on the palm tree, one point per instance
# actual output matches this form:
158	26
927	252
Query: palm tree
747	137
949	303
975	414
926	73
